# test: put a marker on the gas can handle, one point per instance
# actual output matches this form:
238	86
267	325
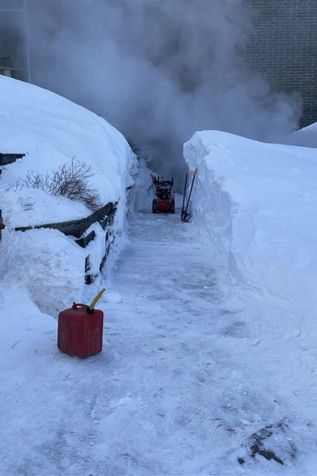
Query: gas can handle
78	306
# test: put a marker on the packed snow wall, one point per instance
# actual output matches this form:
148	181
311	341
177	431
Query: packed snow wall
254	205
54	133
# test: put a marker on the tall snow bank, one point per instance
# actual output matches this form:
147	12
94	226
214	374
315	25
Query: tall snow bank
52	131
256	203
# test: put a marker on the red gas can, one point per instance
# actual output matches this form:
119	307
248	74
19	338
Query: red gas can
80	331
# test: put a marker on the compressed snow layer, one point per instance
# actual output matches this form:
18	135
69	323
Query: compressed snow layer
25	207
52	131
256	202
50	265
142	194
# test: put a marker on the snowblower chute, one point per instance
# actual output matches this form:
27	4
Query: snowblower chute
165	199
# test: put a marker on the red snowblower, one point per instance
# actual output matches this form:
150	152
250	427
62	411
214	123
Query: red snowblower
165	199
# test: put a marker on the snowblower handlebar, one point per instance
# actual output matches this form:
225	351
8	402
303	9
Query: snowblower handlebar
161	182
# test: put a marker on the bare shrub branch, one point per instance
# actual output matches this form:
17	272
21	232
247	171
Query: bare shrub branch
70	180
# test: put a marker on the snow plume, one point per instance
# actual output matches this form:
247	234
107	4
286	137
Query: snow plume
158	70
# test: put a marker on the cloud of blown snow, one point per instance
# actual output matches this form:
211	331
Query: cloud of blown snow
157	69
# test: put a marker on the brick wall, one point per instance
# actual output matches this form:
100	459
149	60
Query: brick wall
283	47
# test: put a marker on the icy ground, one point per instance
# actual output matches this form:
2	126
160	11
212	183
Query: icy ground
179	389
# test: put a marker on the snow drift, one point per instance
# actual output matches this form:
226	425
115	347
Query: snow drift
306	137
52	131
256	203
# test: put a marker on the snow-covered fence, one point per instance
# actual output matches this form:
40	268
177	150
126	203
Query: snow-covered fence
6	159
104	216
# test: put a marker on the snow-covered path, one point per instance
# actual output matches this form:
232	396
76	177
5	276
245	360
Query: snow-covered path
175	391
164	353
